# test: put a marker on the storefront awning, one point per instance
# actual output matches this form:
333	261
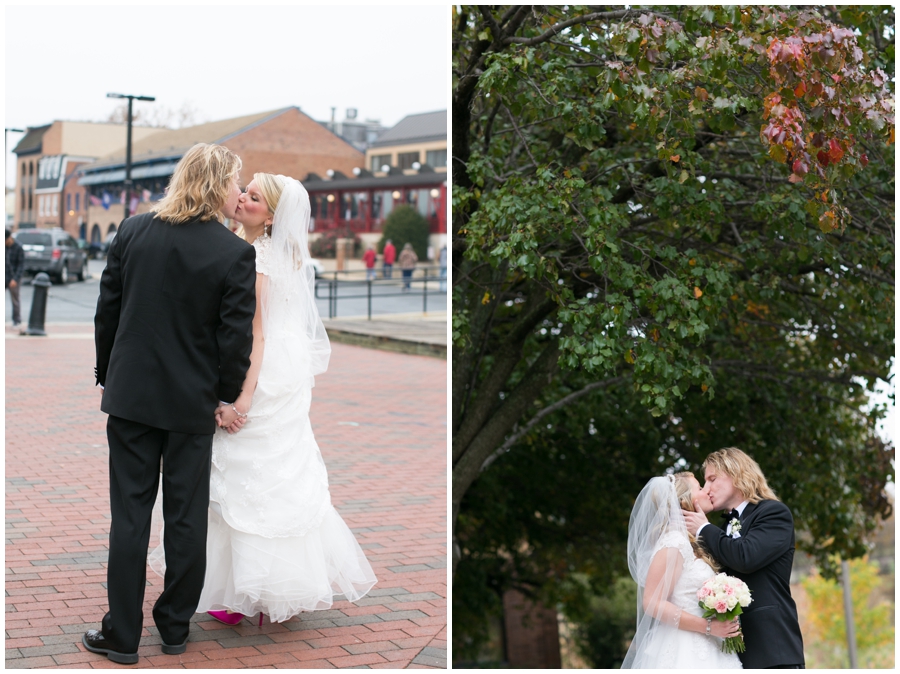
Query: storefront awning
137	173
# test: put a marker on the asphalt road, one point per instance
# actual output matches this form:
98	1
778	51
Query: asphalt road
76	302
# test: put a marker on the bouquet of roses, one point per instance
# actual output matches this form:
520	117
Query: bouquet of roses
723	597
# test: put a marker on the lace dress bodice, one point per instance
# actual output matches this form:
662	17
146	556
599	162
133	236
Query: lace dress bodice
262	244
683	649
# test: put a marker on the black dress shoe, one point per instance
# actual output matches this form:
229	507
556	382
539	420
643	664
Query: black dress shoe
95	642
174	650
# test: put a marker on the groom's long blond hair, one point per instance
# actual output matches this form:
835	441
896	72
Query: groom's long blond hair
744	472
200	185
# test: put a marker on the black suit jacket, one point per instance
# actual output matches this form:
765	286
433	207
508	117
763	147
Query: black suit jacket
173	327
762	557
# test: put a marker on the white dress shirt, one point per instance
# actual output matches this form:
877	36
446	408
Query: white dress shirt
740	510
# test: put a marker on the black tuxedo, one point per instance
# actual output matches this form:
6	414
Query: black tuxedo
762	557
173	331
173	323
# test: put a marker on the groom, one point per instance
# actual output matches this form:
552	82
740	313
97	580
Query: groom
755	544
173	331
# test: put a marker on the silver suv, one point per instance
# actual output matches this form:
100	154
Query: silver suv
52	251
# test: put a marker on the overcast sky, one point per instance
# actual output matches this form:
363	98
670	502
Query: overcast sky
224	61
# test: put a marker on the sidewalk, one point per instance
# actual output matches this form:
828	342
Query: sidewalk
380	419
412	333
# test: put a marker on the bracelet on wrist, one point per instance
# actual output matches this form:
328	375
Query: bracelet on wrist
708	626
242	416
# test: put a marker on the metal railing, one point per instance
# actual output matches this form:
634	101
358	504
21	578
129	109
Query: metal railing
331	284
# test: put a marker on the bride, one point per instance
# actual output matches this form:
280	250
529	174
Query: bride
669	567
276	545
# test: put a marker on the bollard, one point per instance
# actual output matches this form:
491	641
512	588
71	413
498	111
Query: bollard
40	284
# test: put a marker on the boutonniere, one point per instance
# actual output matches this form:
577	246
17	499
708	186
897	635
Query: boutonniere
735	528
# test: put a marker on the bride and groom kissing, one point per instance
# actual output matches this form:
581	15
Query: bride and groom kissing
673	550
207	345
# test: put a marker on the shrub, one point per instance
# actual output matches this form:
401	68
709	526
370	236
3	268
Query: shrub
604	637
406	225
872	617
326	245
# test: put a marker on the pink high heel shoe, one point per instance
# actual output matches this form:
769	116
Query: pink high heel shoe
231	618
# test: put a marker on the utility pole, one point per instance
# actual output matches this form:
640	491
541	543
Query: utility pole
131	98
848	613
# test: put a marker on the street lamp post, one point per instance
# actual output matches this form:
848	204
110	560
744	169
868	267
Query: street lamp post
6	130
131	99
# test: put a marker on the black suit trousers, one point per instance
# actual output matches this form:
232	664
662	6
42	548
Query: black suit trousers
135	451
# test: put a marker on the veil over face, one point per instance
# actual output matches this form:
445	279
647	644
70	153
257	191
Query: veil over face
288	301
656	527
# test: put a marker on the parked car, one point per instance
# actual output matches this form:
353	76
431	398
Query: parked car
53	251
104	247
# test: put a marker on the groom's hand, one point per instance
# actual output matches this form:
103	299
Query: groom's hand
694	521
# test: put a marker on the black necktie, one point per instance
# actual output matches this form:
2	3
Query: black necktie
731	515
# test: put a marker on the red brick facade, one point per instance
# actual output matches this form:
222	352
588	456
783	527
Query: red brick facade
293	144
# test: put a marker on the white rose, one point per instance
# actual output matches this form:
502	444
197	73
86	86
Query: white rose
710	601
731	602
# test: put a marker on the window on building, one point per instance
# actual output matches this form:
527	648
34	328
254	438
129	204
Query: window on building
380	160
55	201
69	202
405	160
23	169
40	206
31	168
78	202
436	158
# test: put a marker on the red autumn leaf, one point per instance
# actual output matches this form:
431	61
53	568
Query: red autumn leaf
835	152
818	139
817	89
675	158
794	178
800	167
800	90
701	93
836	78
823	158
864	160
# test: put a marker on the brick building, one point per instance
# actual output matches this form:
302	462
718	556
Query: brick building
285	141
47	158
416	139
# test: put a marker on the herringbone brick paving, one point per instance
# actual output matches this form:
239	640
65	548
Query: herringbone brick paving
380	419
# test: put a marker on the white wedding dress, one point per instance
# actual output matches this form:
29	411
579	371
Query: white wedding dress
656	524
276	544
680	649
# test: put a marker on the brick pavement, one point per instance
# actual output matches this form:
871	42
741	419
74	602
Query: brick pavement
380	419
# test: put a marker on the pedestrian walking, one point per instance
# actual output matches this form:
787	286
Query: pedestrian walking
369	259
408	260
442	261
390	254
173	343
15	267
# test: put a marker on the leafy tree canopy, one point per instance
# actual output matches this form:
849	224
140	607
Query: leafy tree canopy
673	232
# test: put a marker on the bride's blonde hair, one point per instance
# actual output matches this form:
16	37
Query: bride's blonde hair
683	494
271	188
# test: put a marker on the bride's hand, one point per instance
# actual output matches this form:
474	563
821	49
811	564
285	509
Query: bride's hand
236	425
728	628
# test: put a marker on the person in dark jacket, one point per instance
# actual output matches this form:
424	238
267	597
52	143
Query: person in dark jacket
755	544
173	332
15	267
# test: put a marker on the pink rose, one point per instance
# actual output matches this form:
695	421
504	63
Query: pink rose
729	590
721	606
704	592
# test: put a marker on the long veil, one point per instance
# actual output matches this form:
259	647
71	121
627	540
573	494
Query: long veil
289	301
656	523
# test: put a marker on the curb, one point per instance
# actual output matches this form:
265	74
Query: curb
387	343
